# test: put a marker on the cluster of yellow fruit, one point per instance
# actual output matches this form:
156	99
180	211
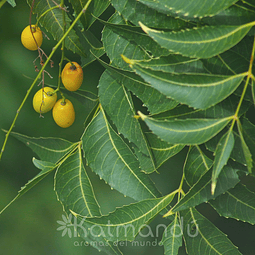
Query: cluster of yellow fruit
45	99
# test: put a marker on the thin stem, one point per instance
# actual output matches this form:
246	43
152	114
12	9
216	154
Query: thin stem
40	73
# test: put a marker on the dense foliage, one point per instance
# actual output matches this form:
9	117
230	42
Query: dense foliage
178	74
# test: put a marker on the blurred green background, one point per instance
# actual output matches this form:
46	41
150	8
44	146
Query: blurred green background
29	226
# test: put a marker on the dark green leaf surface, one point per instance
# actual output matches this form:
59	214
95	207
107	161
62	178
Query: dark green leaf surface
222	154
96	8
116	45
73	187
225	108
172	237
127	221
237	203
204	42
174	64
194	8
53	22
118	104
48	149
136	12
246	151
109	157
201	191
188	131
249	136
135	35
162	150
202	237
152	98
196	90
196	165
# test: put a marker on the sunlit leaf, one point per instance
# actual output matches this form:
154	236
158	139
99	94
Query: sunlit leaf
204	42
109	157
185	131
203	237
237	203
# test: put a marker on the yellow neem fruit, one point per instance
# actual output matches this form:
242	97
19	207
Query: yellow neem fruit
28	40
44	100
72	76
63	113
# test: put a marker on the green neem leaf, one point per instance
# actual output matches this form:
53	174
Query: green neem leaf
201	191
249	137
196	165
48	149
109	157
152	98
202	236
224	109
134	11
174	64
75	192
246	151
196	90
12	2
135	35
53	22
222	154
195	8
95	9
43	165
116	45
204	42
172	237
239	198
73	187
126	222
91	46
118	104
162	150
236	14
185	131
46	169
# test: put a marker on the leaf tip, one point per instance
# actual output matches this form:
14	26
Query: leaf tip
213	187
141	115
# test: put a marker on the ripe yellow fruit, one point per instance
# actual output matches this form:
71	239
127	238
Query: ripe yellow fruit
44	100
72	76
63	113
28	40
